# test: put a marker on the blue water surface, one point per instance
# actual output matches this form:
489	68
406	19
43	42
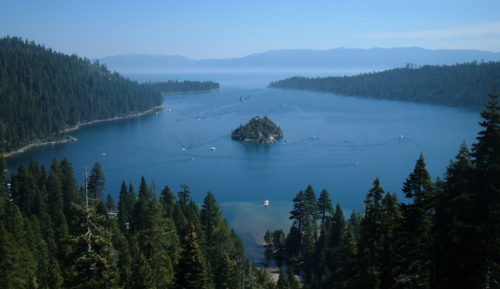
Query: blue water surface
332	142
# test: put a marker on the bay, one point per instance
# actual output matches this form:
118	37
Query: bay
332	142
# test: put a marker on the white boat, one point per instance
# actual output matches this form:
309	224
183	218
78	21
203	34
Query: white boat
266	204
212	148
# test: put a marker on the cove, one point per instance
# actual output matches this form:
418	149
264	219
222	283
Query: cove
333	142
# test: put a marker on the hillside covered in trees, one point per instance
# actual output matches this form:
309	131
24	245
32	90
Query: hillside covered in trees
173	86
56	235
465	85
43	92
445	234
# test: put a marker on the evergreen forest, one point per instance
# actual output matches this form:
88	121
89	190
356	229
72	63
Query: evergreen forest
44	92
54	234
444	234
464	85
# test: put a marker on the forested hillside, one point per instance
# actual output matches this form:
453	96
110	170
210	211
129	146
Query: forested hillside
445	234
56	235
173	86
465	85
43	92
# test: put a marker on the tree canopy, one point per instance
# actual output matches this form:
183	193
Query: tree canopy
466	84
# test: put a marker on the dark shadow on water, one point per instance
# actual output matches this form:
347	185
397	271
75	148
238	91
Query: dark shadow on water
252	149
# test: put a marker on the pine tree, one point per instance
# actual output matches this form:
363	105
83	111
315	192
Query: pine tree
49	274
213	233
210	217
142	273
312	208
58	220
293	244
355	222
414	242
17	264
485	267
69	189
167	200
337	227
321	274
299	212
346	272
24	189
142	206
155	235
337	233
122	246
184	196
371	238
94	258
224	277
391	220
307	246
95	183
451	230
110	204
125	207
325	207
191	269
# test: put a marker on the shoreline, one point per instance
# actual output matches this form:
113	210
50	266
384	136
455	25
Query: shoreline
69	138
131	115
189	92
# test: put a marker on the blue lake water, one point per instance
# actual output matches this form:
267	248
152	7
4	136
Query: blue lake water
333	142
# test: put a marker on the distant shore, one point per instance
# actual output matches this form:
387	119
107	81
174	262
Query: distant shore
191	91
69	138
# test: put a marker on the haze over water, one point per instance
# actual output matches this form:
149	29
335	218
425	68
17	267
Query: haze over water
333	142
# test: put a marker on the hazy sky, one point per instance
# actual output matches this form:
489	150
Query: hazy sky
232	28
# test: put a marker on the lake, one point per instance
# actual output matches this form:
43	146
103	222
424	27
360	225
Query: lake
332	142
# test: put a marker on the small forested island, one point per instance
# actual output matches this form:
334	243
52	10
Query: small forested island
258	130
174	86
464	85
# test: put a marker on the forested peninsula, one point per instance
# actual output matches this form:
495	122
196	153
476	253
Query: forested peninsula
44	92
464	85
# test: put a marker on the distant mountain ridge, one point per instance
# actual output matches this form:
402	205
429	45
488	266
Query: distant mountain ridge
300	59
